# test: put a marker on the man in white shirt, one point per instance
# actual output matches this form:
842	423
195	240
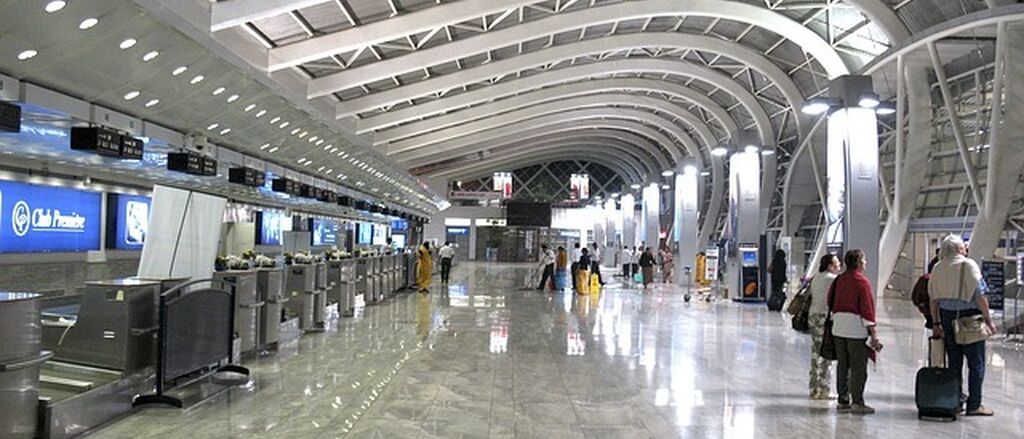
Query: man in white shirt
595	256
447	253
547	261
627	262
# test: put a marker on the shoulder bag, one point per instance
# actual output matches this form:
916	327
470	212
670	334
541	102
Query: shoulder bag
970	329
828	342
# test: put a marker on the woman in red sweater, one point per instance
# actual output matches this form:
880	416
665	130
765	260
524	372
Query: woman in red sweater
852	305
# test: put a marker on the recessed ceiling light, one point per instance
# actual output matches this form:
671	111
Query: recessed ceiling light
127	44
88	23
313	139
55	6
303	134
301	159
296	131
261	113
274	149
212	126
197	79
274	120
249	108
152	102
265	146
308	163
132	95
225	131
232	98
218	91
27	54
284	124
329	146
150	56
179	70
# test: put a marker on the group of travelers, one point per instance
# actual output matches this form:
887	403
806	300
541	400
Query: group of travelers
841	319
581	264
639	260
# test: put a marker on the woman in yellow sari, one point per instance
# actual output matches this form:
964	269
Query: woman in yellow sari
424	267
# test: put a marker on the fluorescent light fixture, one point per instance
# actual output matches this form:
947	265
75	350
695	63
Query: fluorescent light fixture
55	6
312	139
27	54
868	100
197	79
132	95
179	70
152	102
274	120
232	98
328	147
88	23
719	151
260	113
150	56
284	124
668	173
225	131
127	44
218	91
816	106
249	108
320	142
264	146
295	131
212	126
274	149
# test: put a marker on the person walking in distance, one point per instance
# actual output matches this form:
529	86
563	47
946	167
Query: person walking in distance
626	259
574	267
595	262
647	266
446	253
852	304
424	268
821	369
956	291
547	262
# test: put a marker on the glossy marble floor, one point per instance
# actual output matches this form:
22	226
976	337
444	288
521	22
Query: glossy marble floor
482	358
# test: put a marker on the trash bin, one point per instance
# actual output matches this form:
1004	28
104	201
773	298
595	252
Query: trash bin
20	359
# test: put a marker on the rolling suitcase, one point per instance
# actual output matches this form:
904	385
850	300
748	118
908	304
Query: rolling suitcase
775	301
937	390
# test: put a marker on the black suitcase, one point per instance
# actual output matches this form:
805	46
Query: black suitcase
775	301
937	392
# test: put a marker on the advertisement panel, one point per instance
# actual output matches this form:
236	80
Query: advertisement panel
380	234
270	227
325	232
48	219
364	234
127	221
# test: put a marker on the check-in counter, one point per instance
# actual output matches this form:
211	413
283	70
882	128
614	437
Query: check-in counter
341	274
300	289
320	299
268	289
20	359
364	278
242	285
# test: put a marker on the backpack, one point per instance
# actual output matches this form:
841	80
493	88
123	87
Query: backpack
922	300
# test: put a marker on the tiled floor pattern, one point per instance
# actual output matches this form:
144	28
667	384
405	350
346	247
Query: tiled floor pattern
483	358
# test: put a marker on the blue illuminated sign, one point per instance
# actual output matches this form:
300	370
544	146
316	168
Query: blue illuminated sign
270	227
399	225
127	221
458	231
48	219
325	232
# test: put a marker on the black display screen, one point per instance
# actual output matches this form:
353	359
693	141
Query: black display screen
528	214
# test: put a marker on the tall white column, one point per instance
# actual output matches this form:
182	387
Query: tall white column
744	215
611	243
853	201
628	208
652	215
686	218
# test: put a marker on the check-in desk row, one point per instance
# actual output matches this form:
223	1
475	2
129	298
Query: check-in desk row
378	277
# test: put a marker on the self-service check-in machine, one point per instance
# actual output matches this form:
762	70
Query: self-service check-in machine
242	285
341	277
269	291
300	289
750	287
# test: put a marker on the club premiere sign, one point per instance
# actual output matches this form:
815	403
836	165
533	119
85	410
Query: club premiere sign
48	219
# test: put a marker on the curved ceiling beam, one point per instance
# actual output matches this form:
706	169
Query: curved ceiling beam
634	147
474	139
767	19
560	93
884	17
663	66
561	106
557	93
653	138
524	159
611	150
550	78
675	40
394	28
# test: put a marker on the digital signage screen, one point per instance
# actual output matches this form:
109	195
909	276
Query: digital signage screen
380	234
48	219
127	221
400	225
364	234
270	227
325	232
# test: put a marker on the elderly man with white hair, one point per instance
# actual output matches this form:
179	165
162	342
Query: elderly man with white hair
957	300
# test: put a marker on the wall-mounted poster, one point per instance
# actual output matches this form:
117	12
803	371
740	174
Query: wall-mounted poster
48	219
270	227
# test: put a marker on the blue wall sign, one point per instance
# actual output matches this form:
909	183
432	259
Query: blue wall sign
325	232
399	225
457	231
48	219
127	221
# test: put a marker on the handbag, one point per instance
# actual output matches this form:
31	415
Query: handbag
828	342
970	329
801	301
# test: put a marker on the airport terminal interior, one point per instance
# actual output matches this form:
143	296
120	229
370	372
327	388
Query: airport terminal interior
511	219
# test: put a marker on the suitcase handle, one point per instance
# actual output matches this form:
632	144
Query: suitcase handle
945	359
